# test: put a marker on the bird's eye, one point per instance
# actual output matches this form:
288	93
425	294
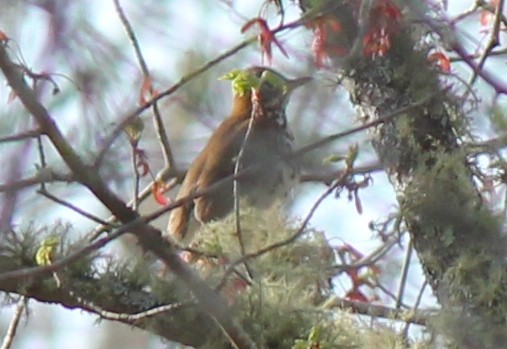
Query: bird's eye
274	80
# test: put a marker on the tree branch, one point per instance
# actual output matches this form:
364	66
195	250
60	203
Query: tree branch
149	238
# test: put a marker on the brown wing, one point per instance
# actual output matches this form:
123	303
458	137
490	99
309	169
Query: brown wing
215	162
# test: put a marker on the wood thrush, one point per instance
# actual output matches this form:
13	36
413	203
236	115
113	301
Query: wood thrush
257	135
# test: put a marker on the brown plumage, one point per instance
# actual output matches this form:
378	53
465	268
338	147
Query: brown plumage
268	140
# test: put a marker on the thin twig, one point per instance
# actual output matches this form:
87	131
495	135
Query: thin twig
137	316
370	259
132	37
20	136
42	157
378	121
415	307
451	40
329	176
404	274
109	315
363	24
499	52
465	13
235	184
373	310
10	198
146	192
74	208
13	326
287	241
157	118
493	42
391	295
36	180
137	177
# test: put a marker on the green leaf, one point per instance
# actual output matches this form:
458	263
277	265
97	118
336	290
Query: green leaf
46	250
333	158
242	81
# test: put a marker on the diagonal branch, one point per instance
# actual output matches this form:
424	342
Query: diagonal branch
149	237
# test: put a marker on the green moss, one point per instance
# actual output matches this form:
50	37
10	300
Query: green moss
283	305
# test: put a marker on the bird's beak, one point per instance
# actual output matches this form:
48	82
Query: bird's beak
295	83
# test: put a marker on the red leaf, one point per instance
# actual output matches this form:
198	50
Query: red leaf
376	43
384	21
348	248
358	279
320	45
158	189
353	273
266	37
441	60
487	16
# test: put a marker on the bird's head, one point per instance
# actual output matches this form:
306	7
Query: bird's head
271	87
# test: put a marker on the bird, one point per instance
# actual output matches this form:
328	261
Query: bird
255	134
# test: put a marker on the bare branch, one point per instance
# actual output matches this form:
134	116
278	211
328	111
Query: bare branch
365	126
148	237
13	326
109	315
74	208
451	39
159	125
414	317
329	176
416	306
493	42
21	136
404	274
43	177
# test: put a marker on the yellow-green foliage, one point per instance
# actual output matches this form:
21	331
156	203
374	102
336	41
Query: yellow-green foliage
46	251
282	307
30	246
243	81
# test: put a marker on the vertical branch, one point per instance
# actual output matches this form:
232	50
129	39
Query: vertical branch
10	195
13	326
235	189
493	42
416	306
42	158
137	178
404	274
159	125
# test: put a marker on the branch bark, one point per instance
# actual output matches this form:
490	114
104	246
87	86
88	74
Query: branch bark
460	243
